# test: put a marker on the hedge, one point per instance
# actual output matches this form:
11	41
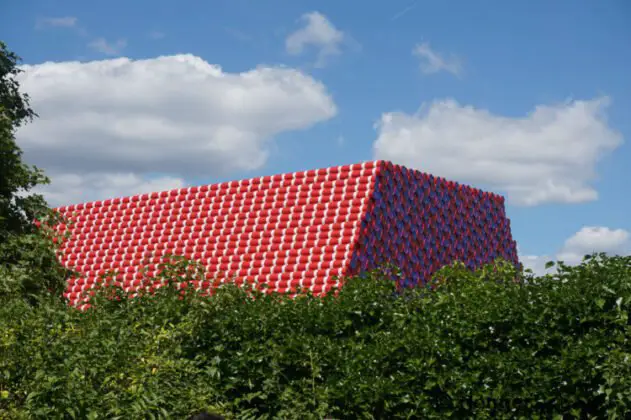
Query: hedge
469	345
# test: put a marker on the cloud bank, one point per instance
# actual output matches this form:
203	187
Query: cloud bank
105	126
547	156
588	240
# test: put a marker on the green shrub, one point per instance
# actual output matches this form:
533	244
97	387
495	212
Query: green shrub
476	345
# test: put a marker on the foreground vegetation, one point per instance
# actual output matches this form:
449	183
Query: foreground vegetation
476	345
469	345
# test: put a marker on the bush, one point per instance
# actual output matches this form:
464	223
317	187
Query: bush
471	345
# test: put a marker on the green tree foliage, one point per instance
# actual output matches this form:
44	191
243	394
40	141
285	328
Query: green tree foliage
28	264
470	345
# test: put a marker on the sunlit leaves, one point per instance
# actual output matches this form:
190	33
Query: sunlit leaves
483	344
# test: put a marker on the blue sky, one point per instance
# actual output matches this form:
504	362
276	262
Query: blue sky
526	99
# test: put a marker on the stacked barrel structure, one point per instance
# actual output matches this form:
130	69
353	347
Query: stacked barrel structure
305	230
420	222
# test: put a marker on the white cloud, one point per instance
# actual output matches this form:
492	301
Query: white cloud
317	32
594	239
588	240
103	46
104	126
432	62
69	188
536	263
547	156
56	22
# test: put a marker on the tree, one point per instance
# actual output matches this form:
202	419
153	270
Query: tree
28	262
16	213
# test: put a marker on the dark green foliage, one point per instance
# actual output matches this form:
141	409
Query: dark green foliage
478	345
28	265
14	103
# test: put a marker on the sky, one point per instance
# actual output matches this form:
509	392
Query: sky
528	99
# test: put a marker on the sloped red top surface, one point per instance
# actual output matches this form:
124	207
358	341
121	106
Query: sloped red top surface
288	230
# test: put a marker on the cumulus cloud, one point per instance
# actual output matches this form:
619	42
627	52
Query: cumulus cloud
56	22
536	263
317	32
594	239
108	48
104	126
588	240
547	156
69	188
433	62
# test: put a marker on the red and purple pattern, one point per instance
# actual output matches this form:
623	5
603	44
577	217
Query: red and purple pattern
420	223
306	229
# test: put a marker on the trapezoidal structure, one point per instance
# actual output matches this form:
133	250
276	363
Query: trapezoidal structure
306	229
